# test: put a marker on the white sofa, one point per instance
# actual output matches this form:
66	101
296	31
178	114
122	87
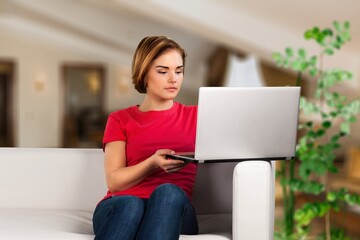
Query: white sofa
49	193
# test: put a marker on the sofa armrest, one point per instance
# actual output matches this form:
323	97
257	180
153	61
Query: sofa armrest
253	200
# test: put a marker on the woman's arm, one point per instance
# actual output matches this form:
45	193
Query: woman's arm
120	177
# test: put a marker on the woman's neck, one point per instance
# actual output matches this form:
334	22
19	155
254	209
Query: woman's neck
152	105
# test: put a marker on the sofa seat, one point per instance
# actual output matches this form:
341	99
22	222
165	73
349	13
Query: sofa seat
45	224
40	224
51	193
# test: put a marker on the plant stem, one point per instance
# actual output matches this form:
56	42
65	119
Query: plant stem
298	79
286	214
327	216
291	195
288	193
325	178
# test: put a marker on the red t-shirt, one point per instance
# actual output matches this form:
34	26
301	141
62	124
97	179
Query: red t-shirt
147	132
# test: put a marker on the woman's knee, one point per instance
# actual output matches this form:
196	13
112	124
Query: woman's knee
118	216
121	207
170	192
130	204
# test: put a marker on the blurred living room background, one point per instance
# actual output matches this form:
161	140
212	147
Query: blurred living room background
66	64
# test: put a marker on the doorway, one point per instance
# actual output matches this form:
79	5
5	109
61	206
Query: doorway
6	103
84	117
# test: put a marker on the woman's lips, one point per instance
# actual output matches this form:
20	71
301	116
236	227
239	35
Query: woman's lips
171	89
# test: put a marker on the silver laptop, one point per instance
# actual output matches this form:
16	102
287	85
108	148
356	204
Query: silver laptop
241	123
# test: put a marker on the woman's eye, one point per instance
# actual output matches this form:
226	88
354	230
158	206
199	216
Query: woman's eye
162	72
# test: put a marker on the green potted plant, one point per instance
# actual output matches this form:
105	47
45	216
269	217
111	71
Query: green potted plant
315	152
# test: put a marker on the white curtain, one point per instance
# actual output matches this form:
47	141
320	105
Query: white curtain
243	72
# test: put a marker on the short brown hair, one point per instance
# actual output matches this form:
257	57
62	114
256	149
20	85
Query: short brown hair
149	49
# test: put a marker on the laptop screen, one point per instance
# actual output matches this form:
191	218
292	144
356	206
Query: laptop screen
247	123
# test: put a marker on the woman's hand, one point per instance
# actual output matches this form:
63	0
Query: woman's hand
168	165
120	177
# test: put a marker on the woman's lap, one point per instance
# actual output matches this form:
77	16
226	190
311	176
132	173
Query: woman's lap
167	213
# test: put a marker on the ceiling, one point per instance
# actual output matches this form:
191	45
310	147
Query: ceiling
227	21
114	27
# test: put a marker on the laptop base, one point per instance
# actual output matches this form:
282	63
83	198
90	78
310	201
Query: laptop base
191	159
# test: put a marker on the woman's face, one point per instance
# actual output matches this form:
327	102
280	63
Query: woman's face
165	76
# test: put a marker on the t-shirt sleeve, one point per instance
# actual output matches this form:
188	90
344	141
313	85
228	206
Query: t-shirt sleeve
114	130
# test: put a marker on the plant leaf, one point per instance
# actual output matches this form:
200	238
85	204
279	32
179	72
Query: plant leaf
329	51
278	58
326	124
289	52
337	26
347	25
302	53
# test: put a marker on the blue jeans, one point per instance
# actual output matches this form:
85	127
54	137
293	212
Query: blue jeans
165	215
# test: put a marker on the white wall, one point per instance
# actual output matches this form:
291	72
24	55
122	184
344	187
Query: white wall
38	113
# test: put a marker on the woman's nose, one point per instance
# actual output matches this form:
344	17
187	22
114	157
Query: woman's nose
172	78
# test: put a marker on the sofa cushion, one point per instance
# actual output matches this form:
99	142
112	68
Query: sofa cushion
45	224
31	224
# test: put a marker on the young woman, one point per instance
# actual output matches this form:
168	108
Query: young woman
149	195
